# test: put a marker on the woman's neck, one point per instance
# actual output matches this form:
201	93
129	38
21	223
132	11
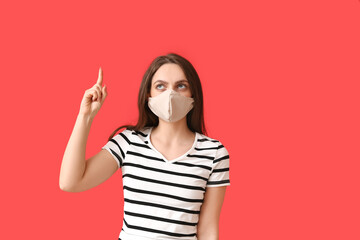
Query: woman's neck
172	132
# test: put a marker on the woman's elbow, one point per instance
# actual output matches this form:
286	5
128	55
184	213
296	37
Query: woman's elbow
208	234
208	237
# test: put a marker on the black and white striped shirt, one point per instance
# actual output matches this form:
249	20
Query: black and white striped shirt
162	198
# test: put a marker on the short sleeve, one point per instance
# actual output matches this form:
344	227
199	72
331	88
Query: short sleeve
219	175
118	145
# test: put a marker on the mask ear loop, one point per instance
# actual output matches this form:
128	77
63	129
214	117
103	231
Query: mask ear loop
147	97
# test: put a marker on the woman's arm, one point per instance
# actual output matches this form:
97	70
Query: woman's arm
73	163
208	225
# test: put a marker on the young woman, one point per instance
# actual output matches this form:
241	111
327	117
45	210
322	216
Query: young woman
174	175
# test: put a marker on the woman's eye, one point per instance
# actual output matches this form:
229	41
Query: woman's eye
184	86
157	86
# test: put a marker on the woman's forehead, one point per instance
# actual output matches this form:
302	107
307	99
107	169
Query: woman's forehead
169	73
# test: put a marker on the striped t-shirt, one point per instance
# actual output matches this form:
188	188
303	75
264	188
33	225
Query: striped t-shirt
162	198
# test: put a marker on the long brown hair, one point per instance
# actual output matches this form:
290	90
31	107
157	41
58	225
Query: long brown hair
195	117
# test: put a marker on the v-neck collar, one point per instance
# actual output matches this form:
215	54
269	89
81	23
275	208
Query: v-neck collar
173	160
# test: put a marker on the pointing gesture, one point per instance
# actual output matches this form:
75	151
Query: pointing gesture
100	77
94	97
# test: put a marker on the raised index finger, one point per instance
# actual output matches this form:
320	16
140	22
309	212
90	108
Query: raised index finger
100	77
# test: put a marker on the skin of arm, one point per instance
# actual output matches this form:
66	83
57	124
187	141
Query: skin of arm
208	225
78	174
73	164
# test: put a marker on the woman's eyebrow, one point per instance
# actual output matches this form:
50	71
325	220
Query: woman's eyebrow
182	80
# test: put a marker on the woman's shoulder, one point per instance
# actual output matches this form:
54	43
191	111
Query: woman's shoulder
213	143
137	135
130	134
209	141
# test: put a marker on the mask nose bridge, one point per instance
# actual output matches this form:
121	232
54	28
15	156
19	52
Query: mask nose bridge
171	91
170	108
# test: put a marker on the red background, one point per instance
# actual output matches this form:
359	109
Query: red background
281	92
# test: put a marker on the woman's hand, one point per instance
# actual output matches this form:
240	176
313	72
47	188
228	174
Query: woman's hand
94	98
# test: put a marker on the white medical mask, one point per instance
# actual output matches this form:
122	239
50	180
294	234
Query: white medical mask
170	105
